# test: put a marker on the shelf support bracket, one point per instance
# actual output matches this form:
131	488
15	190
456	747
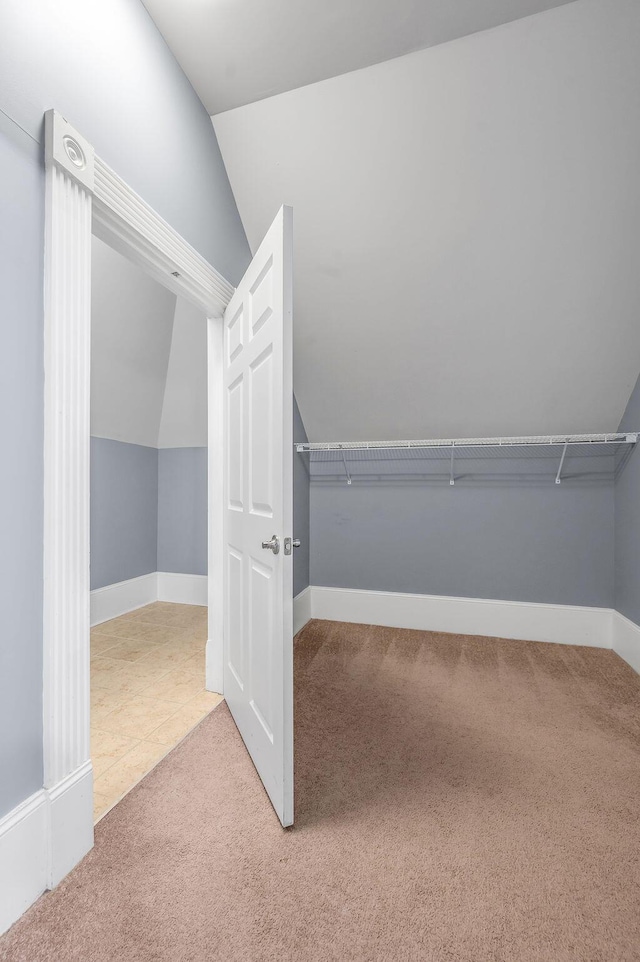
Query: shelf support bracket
564	451
452	479
346	469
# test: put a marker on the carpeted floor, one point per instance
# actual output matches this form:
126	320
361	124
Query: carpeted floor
458	798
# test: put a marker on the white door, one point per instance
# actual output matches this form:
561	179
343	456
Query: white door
258	512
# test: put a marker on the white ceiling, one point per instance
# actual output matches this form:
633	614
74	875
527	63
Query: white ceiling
235	52
467	222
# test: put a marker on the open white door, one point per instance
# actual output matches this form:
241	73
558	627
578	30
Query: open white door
258	512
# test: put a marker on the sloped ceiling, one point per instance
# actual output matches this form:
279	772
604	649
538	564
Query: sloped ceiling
131	328
235	52
184	408
148	358
467	226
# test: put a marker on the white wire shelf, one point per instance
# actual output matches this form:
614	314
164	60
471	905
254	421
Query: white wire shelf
558	457
542	439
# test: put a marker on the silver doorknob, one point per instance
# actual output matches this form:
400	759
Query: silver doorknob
273	545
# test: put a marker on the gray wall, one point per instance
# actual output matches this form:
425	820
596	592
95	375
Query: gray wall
148	511
627	524
108	70
301	520
124	511
182	510
515	541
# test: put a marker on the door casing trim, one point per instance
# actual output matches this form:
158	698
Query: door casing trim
84	196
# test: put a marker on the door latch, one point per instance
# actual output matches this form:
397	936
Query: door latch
291	543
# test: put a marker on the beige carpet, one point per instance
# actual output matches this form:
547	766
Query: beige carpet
458	798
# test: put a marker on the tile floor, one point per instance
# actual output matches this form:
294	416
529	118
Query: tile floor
147	693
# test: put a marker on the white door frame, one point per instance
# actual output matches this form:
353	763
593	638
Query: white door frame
83	196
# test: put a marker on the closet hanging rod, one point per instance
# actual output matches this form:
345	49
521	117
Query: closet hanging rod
547	440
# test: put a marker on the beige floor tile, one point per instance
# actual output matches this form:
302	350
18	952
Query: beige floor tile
101	804
156	613
102	643
187	616
131	649
104	671
195	664
151	617
196	629
185	647
117	629
179	725
205	700
116	700
107	748
128	619
99	696
138	717
109	699
176	686
128	770
104	663
169	656
99	712
157	634
159	606
126	682
142	674
196	642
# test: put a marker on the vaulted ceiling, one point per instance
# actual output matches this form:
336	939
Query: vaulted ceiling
237	51
467	222
148	358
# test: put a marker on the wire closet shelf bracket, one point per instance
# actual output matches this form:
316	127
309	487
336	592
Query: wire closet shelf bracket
541	459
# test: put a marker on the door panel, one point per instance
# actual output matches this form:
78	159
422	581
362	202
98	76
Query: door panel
235	609
258	500
261	439
234	441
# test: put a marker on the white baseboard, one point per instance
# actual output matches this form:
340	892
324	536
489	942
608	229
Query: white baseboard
41	840
117	599
626	640
182	589
301	609
564	624
23	857
71	822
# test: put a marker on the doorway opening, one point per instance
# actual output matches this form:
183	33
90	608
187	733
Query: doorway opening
148	510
